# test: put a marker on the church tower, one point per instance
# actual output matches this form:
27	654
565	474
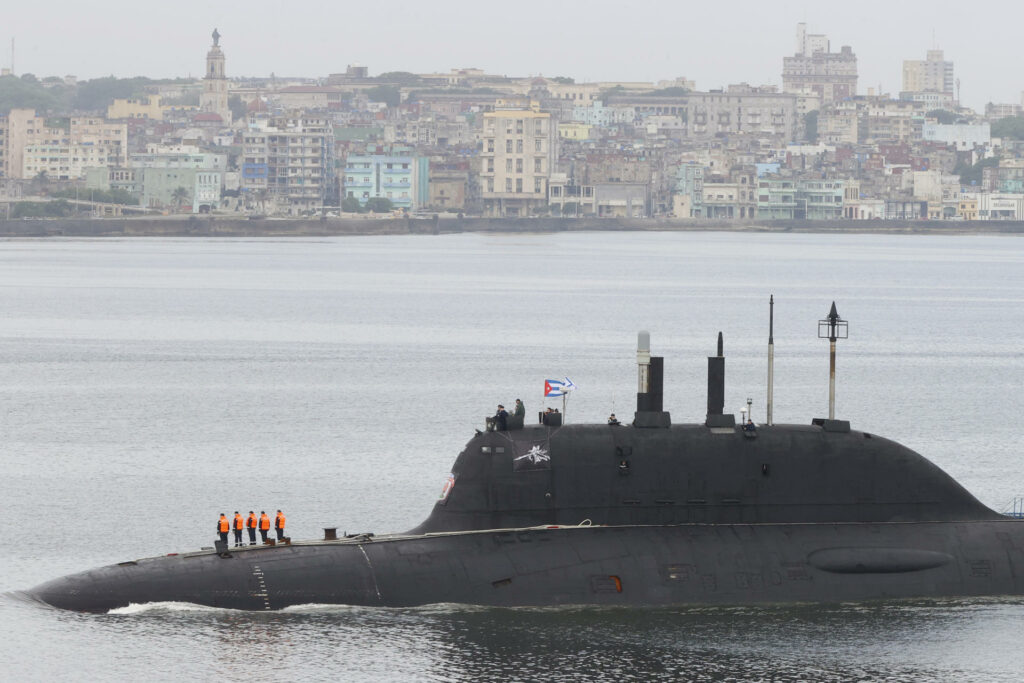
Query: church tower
215	85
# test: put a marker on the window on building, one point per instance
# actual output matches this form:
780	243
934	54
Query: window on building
538	165
519	145
519	165
539	127
490	165
537	185
490	184
519	184
508	184
508	146
508	165
538	145
490	145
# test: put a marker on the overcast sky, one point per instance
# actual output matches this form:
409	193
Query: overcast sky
713	43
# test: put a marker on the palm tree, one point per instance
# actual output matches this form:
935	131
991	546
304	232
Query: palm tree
180	196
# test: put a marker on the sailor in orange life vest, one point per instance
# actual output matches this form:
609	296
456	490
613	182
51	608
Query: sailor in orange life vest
222	528
279	525
239	525
250	525
264	525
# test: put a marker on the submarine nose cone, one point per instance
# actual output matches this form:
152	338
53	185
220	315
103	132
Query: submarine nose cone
83	592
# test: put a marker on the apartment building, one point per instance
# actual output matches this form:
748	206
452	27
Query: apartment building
799	199
289	161
830	75
62	149
518	155
932	74
404	180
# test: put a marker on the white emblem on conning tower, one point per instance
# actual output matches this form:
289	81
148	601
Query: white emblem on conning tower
535	455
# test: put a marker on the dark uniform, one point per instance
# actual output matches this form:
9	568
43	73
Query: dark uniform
279	525
250	525
264	525
222	528
239	525
501	419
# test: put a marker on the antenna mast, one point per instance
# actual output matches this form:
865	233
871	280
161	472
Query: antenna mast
771	354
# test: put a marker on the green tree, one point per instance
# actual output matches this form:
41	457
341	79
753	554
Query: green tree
972	175
57	209
351	205
237	107
40	183
1010	127
99	93
943	116
180	196
378	204
400	77
388	94
17	93
564	80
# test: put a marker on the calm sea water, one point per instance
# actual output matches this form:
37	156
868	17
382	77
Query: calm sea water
147	385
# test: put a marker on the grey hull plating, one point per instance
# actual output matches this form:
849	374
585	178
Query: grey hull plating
685	564
649	514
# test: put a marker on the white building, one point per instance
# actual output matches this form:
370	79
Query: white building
966	136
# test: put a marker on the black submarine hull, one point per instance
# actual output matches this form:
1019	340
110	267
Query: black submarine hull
688	564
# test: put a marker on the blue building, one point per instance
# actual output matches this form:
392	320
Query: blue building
402	179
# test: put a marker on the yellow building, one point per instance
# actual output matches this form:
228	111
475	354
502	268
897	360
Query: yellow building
519	147
147	107
967	207
574	131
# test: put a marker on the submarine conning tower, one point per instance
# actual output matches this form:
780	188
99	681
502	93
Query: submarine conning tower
653	472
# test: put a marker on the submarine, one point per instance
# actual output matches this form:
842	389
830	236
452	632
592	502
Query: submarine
648	513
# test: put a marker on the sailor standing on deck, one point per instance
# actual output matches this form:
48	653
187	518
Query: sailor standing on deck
279	525
239	525
264	525
250	525
222	528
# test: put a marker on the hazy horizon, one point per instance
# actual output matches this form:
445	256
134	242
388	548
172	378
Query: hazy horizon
588	41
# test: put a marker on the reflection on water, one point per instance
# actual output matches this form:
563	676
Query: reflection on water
901	641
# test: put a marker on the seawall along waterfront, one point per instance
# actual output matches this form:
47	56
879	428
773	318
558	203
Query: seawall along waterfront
207	226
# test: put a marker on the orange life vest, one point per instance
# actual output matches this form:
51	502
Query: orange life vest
250	523
279	521
238	522
264	522
223	525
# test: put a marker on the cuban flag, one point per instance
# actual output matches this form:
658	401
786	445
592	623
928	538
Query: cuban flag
555	387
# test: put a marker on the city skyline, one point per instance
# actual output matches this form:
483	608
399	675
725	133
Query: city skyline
596	41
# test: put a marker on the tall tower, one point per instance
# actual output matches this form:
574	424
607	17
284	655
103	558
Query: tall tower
215	85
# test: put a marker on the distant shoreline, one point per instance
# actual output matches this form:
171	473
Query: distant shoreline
206	226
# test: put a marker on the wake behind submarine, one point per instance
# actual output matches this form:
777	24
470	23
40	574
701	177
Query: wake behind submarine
651	513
